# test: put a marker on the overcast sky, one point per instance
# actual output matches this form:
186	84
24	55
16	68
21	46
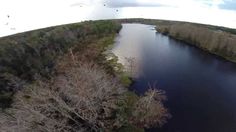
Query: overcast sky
23	15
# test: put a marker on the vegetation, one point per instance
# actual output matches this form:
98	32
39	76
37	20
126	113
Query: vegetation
25	56
58	79
169	23
214	41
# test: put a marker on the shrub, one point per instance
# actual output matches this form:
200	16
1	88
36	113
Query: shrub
143	112
82	99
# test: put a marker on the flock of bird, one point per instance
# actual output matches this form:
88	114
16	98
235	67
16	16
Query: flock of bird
116	9
81	5
7	23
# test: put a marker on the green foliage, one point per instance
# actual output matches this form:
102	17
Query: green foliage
166	31
6	99
146	111
130	98
130	128
125	110
125	80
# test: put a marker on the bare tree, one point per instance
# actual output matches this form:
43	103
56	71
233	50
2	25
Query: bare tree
149	110
81	99
131	66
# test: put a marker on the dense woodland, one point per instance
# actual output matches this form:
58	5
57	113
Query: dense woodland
25	56
215	41
58	79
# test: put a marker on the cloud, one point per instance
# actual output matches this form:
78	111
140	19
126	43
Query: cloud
117	3
82	3
131	3
77	4
162	3
223	4
228	5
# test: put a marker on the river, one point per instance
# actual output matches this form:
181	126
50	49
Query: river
200	87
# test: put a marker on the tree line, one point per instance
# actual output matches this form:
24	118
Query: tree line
218	42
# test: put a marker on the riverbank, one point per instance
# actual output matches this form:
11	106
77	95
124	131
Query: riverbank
200	87
213	39
216	42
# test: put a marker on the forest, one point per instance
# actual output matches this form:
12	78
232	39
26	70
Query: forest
58	79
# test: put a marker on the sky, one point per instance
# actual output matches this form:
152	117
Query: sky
24	15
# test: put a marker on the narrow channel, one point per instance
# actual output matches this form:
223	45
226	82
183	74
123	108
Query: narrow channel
201	87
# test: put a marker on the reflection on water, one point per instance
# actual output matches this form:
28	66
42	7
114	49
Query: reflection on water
201	87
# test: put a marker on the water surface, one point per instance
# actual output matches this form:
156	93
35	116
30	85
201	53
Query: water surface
201	88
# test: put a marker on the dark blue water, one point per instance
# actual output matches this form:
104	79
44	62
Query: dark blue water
201	88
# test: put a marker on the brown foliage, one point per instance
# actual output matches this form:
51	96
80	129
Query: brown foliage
81	99
215	41
149	110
